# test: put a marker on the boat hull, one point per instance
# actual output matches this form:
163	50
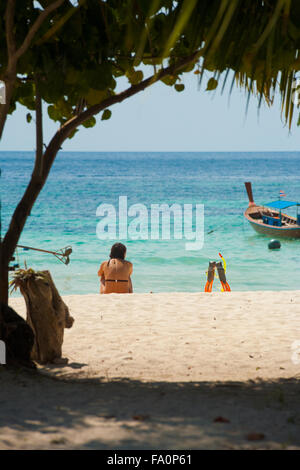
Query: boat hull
272	231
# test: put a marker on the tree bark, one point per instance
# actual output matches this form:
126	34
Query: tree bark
38	130
19	218
3	291
47	315
3	285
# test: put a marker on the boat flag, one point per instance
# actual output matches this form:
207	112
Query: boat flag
282	194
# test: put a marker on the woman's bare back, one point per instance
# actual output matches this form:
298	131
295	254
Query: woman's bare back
115	276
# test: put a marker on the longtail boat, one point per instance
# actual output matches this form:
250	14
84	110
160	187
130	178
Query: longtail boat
269	218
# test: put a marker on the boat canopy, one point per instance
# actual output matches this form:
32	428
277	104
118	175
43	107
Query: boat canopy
280	204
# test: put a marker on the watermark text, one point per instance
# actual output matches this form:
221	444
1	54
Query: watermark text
2	92
296	352
2	352
159	222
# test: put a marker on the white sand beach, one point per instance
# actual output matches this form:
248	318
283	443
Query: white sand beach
181	336
157	370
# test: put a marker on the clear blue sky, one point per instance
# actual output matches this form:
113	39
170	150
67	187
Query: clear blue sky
161	119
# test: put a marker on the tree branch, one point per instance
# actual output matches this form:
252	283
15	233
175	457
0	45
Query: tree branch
10	73
13	54
76	121
39	130
35	27
36	183
9	28
53	30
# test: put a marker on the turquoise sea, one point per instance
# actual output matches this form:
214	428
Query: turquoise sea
65	214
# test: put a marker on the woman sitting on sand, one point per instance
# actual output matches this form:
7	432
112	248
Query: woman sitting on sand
115	273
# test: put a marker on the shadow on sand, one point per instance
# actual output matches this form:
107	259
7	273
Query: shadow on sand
130	414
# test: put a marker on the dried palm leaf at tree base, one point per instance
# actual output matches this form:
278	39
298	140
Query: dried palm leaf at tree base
47	314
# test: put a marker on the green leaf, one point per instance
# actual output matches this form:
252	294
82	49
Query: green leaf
95	96
28	117
169	80
100	77
53	113
89	122
135	77
28	101
179	87
188	68
153	61
106	115
211	84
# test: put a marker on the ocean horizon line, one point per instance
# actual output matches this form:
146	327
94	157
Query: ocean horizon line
160	151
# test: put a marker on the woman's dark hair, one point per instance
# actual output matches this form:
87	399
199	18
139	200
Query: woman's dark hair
118	250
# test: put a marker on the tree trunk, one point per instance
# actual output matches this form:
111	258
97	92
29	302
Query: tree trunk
17	335
47	315
38	130
3	286
22	211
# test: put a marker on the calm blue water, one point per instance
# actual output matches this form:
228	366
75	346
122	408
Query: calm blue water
65	214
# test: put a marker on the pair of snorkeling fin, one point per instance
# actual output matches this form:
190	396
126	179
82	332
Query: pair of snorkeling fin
211	275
